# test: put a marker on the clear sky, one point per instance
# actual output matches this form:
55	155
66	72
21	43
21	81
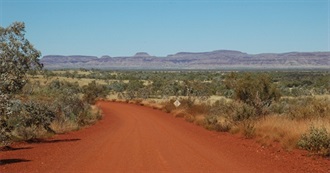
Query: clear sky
162	27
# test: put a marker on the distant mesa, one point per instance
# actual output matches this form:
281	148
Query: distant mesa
105	56
219	59
142	54
68	59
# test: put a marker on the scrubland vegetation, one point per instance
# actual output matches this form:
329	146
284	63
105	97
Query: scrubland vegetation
41	110
291	109
287	108
30	109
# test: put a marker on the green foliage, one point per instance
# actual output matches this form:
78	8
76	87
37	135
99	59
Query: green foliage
17	57
93	91
302	107
118	87
256	90
303	83
39	115
316	140
29	116
243	111
43	105
134	89
224	115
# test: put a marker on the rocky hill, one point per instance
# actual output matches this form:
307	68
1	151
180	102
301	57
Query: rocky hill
220	59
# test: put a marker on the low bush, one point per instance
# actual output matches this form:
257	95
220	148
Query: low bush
243	112
253	89
28	119
43	110
303	107
316	140
92	91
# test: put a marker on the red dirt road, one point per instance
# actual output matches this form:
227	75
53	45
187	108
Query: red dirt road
133	138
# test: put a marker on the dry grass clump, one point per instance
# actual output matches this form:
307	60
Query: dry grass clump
286	131
63	126
188	110
275	128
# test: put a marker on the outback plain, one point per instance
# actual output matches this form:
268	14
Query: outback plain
126	121
160	86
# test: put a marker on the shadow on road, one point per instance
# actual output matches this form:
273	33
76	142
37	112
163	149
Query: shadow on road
51	141
11	161
9	148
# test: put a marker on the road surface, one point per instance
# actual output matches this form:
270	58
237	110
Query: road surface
132	138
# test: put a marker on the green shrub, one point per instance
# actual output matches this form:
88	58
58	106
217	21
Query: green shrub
38	109
316	140
280	107
39	115
17	58
256	90
244	112
93	91
28	118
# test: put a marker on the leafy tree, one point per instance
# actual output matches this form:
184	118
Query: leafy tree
17	57
256	90
133	88
92	91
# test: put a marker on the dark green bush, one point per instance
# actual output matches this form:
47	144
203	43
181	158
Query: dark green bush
37	107
93	91
316	140
28	118
244	112
256	90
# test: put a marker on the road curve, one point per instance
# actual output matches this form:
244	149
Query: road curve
132	138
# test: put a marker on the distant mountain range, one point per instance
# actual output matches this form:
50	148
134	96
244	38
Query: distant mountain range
220	59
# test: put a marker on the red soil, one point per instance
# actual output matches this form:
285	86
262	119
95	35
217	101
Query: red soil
133	138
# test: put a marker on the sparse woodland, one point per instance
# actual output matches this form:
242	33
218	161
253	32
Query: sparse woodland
290	108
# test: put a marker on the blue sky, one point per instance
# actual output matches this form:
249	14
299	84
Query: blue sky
162	27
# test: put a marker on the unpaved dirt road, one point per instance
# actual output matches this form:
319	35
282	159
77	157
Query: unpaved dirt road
132	138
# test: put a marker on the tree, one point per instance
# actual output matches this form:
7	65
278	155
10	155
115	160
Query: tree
17	57
92	91
256	90
133	88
